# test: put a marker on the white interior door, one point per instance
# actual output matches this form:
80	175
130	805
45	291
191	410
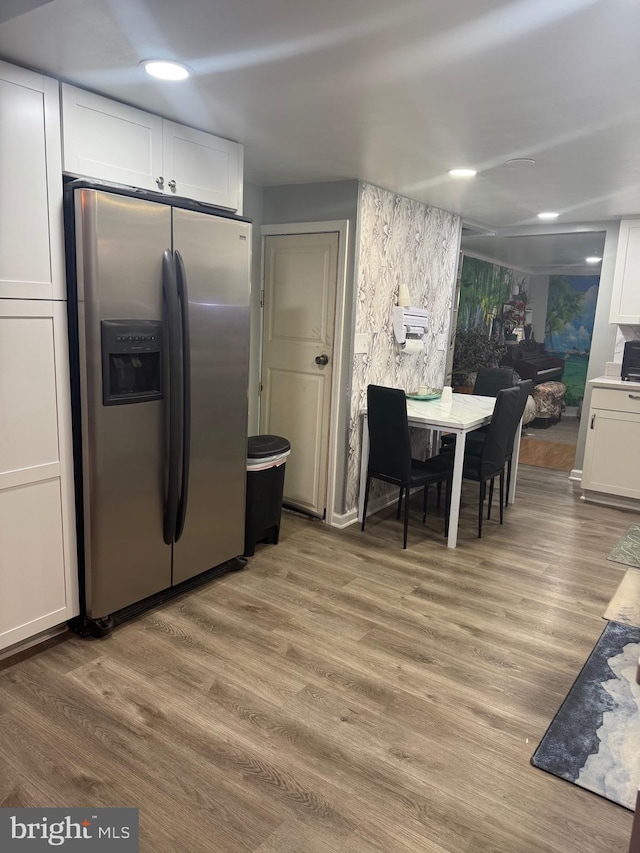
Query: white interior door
297	358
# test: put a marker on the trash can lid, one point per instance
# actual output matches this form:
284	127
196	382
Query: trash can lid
260	446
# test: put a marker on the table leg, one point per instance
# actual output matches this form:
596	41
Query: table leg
456	489
514	464
364	461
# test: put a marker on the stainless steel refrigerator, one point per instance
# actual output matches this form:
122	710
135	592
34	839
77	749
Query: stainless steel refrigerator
159	332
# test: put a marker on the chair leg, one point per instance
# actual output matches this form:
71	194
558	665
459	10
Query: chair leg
366	501
501	496
424	503
506	497
490	501
483	488
400	502
406	517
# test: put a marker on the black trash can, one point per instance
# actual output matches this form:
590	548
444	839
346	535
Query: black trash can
266	458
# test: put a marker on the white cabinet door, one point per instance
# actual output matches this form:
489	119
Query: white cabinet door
625	298
31	242
38	575
201	166
611	459
115	142
111	141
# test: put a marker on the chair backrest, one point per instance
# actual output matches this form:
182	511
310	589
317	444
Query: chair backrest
490	380
501	431
389	441
525	387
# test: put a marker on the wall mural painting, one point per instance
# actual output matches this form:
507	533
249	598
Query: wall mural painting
571	310
485	289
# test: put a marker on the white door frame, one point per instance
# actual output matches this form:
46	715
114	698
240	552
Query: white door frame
336	405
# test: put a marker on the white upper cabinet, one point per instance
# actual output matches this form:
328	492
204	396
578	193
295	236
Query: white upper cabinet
31	243
108	140
201	166
114	142
625	299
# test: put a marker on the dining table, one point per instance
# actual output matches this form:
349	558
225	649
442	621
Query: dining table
460	415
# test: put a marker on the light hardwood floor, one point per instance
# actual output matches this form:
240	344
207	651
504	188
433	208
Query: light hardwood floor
339	695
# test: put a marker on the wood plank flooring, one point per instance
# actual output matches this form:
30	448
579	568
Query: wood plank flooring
340	695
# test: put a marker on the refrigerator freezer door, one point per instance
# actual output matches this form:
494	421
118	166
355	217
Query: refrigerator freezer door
120	243
215	253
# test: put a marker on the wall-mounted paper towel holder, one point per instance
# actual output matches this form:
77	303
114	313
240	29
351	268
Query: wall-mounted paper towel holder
410	327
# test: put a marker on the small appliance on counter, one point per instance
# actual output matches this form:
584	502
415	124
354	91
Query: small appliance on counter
631	362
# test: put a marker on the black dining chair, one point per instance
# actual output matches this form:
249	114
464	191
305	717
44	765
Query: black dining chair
489	380
476	438
390	451
485	460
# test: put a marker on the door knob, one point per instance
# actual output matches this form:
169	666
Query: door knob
160	182
172	186
322	359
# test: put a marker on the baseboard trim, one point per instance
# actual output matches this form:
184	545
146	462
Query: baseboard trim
342	520
25	645
615	501
351	517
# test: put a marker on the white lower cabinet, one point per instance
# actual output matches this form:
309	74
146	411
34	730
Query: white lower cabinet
38	568
611	460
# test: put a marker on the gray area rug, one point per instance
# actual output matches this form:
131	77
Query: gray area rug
627	550
593	739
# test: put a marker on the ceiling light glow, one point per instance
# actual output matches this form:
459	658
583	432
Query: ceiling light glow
462	173
548	215
165	70
593	259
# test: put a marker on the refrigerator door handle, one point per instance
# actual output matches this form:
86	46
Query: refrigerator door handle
170	292
183	298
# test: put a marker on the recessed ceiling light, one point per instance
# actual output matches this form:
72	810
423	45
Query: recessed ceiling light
548	215
593	259
462	173
521	161
163	69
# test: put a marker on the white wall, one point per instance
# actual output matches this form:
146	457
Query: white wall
253	203
603	342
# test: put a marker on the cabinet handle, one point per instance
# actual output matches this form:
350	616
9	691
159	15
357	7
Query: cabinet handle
593	420
172	186
160	182
634	396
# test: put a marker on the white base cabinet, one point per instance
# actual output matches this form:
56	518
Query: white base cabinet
38	566
612	461
115	142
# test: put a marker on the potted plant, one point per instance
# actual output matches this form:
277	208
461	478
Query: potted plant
473	349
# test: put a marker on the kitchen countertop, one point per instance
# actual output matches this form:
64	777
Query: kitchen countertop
614	382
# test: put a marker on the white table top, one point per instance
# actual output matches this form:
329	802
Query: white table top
463	412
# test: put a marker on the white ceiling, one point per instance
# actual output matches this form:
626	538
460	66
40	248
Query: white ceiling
395	93
540	254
